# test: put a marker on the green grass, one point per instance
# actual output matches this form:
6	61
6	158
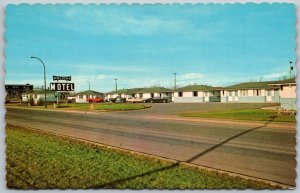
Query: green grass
243	114
97	106
39	161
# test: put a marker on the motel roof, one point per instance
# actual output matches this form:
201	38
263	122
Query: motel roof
124	91
260	85
89	92
141	90
154	89
195	87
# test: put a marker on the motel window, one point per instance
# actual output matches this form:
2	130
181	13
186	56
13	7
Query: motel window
133	95
141	95
244	92
223	92
80	96
195	93
281	88
179	94
152	95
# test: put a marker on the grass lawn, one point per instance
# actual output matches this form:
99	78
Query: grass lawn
97	106
39	161
243	114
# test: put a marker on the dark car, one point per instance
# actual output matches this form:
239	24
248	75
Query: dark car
157	100
118	99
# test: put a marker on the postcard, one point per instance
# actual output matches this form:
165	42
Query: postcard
150	96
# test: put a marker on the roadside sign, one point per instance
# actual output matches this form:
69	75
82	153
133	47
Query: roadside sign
67	78
55	86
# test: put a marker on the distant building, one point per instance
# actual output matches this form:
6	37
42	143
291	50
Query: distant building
14	91
18	89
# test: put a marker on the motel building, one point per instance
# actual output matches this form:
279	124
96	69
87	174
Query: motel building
151	92
37	97
124	93
197	94
283	92
84	96
141	93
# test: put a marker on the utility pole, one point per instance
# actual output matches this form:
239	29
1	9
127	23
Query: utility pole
291	68
116	83
260	79
175	80
89	85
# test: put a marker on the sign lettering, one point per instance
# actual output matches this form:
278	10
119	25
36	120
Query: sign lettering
67	78
55	86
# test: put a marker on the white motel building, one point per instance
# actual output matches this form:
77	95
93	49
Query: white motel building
283	92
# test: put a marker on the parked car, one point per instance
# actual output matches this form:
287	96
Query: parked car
95	100
118	99
135	100
157	100
71	99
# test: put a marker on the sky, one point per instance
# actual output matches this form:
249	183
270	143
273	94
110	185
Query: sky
143	45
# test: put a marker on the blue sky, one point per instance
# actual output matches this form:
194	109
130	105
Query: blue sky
142	45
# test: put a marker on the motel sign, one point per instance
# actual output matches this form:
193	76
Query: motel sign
59	86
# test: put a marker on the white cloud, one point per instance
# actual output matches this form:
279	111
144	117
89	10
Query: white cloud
191	77
102	21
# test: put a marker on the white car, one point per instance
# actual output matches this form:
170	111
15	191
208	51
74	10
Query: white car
135	100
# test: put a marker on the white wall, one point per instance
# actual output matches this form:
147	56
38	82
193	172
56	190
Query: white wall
288	91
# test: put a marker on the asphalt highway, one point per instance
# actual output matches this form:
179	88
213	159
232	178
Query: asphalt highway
263	150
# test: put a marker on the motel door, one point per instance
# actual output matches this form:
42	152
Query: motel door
276	95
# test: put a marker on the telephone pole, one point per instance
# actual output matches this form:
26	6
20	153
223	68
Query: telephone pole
116	83
291	68
175	80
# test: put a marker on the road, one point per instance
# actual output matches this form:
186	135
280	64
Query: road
262	150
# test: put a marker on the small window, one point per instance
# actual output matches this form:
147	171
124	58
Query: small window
133	95
180	94
223	92
152	95
80	96
195	93
281	88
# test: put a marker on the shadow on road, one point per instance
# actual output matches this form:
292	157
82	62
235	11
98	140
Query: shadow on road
115	182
